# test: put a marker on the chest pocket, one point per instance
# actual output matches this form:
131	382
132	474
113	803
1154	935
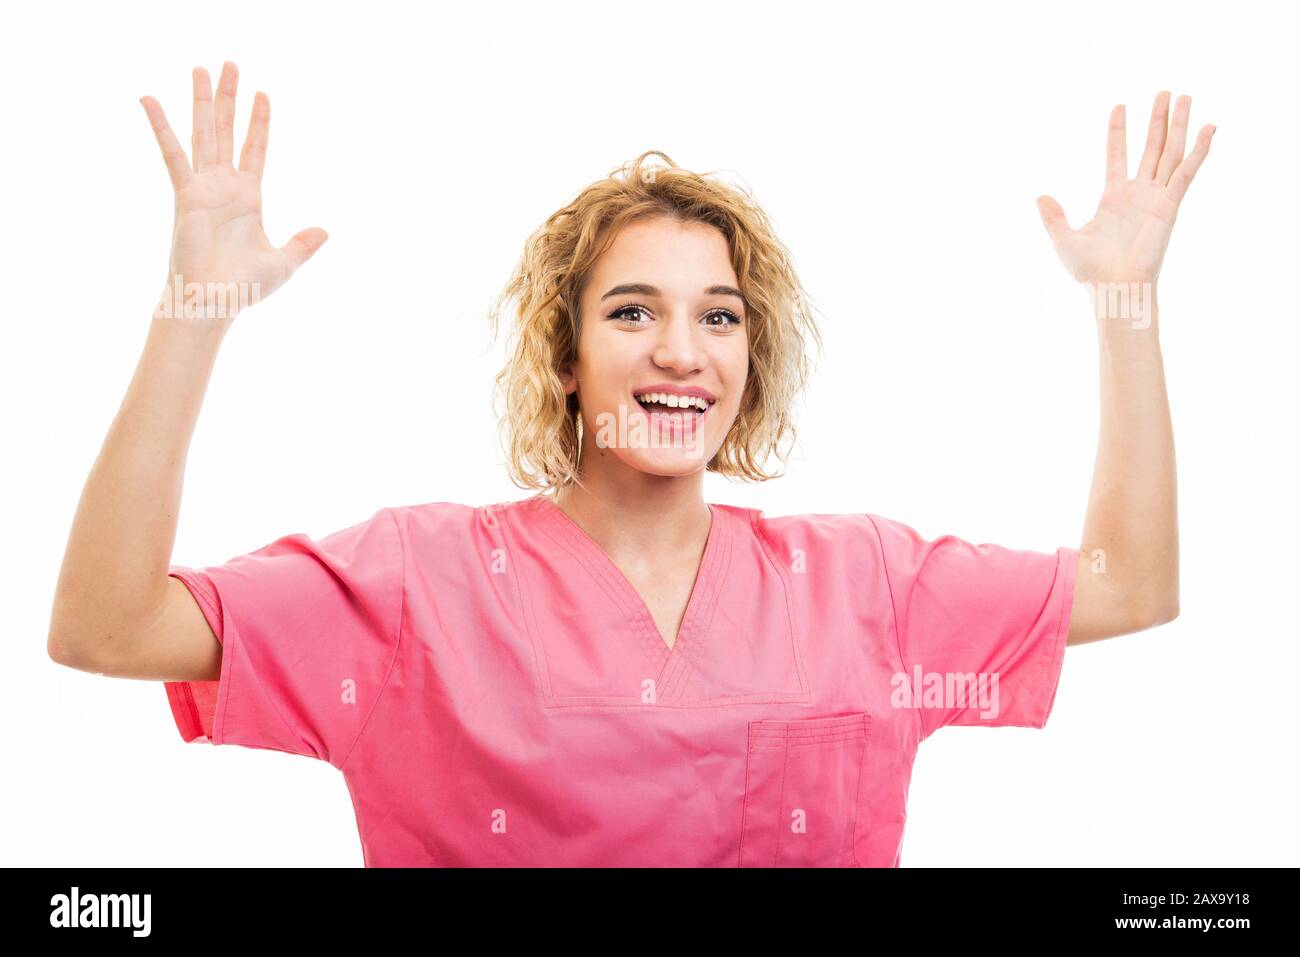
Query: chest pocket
802	780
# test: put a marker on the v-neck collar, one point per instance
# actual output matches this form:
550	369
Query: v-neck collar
672	664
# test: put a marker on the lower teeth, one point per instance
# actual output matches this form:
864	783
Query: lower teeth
666	410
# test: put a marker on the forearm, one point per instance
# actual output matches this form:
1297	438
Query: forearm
114	572
1131	530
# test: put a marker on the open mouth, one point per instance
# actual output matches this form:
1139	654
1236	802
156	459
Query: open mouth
667	403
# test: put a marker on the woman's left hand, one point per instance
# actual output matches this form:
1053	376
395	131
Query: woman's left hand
1127	237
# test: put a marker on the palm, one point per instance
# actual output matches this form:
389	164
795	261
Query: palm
218	236
1127	237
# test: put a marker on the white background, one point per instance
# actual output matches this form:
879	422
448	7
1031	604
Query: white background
898	151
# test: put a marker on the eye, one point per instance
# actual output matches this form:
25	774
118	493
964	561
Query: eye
625	313
729	317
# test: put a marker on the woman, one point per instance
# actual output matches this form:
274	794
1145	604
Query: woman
613	671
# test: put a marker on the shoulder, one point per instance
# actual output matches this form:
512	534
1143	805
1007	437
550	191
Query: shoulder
820	530
434	514
447	524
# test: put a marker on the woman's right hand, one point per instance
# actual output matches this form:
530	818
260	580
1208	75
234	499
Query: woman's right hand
221	259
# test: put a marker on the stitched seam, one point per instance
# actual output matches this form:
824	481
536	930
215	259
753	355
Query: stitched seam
781	819
788	586
230	648
1062	622
744	808
190	579
893	607
857	791
524	595
616	586
695	626
184	690
397	643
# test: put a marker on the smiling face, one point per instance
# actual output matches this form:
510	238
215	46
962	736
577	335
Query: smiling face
661	314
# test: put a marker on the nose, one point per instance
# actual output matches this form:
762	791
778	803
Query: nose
677	345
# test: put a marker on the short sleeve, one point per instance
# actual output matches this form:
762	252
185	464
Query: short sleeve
981	628
309	632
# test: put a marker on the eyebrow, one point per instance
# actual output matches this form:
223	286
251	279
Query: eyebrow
645	289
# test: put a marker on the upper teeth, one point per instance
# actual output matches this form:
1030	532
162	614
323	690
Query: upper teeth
675	401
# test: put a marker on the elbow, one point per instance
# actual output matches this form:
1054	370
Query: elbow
1155	611
63	648
64	651
57	646
75	656
1163	616
60	652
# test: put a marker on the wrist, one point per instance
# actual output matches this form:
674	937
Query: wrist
197	336
1123	303
203	302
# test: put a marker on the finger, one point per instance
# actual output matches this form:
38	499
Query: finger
253	156
1155	136
1117	147
1053	218
303	246
1182	176
205	143
1173	154
224	112
178	164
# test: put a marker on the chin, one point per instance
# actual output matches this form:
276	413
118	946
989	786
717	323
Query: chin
666	452
670	463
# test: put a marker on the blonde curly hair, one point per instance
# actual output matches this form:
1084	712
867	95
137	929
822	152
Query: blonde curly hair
541	423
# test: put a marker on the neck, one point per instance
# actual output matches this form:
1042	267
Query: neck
630	511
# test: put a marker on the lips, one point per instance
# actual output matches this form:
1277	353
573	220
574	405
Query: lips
678	423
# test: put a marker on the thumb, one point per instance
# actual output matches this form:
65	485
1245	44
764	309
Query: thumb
303	246
1053	217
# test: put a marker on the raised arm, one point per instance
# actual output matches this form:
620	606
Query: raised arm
1127	578
115	609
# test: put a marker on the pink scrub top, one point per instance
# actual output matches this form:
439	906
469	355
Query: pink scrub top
496	693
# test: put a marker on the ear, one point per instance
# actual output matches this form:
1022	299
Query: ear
567	380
